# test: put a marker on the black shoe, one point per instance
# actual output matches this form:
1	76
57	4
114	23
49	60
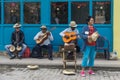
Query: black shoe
13	57
19	57
50	58
40	57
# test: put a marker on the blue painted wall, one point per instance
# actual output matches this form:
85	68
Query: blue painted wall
31	29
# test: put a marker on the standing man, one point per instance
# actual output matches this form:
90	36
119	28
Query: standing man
17	40
74	32
43	40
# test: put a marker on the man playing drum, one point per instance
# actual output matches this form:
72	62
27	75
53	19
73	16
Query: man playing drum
17	39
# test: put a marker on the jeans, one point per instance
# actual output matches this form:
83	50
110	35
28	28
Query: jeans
88	56
11	54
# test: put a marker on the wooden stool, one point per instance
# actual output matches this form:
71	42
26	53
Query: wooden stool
66	50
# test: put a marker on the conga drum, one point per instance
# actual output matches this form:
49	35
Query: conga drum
12	48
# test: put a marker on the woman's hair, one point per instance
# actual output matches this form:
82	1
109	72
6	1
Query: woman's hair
88	19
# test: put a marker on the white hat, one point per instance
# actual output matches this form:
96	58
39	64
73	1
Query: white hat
73	24
32	67
17	25
43	27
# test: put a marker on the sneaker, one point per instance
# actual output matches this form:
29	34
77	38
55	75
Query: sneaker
82	73
91	72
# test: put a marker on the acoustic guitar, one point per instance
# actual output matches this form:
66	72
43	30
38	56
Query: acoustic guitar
69	36
42	38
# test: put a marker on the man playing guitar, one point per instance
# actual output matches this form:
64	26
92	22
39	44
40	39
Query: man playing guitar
43	40
70	35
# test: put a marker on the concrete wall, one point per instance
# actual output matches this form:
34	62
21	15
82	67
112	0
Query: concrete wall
116	27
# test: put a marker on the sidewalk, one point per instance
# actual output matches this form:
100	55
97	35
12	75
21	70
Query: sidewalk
56	62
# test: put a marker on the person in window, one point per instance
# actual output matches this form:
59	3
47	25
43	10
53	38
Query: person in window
18	45
89	46
73	37
13	17
43	40
55	19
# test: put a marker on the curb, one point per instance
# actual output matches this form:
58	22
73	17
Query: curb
60	67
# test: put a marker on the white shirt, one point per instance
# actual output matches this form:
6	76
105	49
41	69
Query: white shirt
47	41
70	30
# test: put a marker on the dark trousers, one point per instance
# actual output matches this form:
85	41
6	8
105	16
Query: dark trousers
49	48
77	48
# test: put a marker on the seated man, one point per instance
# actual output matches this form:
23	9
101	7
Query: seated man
17	39
71	35
43	40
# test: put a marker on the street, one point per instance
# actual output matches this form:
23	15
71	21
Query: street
13	73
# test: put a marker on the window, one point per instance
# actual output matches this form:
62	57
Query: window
59	12
11	0
102	12
32	13
79	11
12	12
62	11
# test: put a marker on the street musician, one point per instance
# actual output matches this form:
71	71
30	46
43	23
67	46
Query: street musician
71	35
18	44
43	40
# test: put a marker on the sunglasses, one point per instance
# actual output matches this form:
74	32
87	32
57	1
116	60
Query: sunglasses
44	29
17	28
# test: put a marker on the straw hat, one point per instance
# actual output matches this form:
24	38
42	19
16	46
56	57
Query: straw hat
43	27
32	67
68	72
73	24
17	25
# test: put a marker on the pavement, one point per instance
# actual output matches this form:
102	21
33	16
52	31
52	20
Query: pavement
54	74
57	62
16	69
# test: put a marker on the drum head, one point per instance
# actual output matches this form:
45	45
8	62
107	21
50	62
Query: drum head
12	48
19	48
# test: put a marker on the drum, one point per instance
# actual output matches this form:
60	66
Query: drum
12	48
94	37
70	46
18	48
